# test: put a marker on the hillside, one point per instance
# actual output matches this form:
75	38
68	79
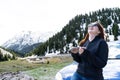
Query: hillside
75	30
6	55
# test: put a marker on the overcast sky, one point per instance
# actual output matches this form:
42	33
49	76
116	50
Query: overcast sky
43	15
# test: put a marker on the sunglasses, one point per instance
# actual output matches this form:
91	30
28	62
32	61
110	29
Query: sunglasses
95	24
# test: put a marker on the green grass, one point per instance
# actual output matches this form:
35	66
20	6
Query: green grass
38	71
16	65
48	71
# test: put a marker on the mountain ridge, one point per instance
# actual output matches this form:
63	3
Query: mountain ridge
26	41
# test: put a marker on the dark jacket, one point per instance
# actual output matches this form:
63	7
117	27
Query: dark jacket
93	59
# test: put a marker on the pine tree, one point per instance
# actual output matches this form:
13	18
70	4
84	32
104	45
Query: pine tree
1	56
6	57
119	18
13	57
115	20
115	31
81	37
74	44
107	36
109	21
110	33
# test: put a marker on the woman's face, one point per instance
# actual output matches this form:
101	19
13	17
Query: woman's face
93	30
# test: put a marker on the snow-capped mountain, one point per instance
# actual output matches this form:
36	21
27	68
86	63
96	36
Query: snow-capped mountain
25	39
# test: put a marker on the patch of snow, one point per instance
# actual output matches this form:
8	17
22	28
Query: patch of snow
52	54
114	49
5	52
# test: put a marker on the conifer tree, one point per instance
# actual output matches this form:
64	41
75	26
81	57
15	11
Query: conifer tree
1	56
81	37
6	57
109	21
115	31
115	20
110	33
13	57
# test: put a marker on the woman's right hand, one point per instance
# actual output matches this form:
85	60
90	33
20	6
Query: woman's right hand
74	50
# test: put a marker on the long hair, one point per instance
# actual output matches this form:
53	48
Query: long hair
101	34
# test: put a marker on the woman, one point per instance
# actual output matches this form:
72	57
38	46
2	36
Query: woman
92	55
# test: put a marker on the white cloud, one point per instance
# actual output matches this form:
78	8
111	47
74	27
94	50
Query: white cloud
43	15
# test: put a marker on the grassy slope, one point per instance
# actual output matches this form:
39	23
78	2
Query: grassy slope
38	71
48	71
16	65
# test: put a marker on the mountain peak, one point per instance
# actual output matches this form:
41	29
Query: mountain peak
25	39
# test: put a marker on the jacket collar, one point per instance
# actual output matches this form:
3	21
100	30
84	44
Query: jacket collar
96	38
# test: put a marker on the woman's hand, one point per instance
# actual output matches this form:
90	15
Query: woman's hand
81	50
74	50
